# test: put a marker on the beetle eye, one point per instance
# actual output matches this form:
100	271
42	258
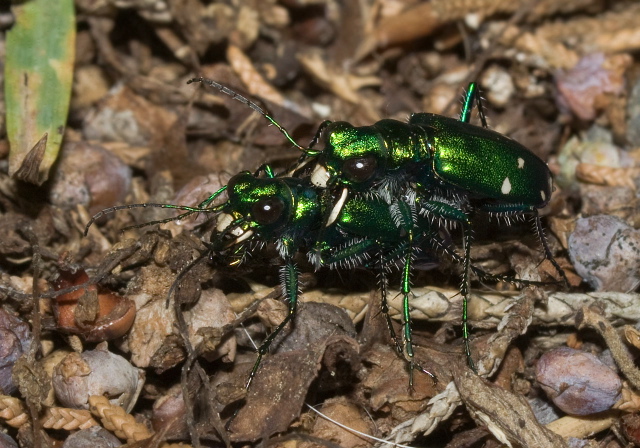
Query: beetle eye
360	169
267	210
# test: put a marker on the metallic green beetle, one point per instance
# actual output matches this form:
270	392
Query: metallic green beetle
434	152
456	168
287	211
367	232
452	166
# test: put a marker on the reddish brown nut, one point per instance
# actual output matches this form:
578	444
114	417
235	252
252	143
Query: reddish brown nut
578	382
630	426
94	315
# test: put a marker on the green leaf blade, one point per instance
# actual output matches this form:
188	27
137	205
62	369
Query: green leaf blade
38	83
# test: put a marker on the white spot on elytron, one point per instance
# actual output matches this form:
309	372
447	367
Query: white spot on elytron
543	195
520	162
320	176
336	209
506	186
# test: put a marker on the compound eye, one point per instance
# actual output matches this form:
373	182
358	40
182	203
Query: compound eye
267	210
359	169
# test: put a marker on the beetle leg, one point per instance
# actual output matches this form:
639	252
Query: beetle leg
452	213
499	211
472	97
266	169
436	243
355	254
405	290
545	247
384	305
464	290
316	138
290	286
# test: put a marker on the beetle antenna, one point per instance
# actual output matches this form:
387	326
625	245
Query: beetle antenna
188	211
253	105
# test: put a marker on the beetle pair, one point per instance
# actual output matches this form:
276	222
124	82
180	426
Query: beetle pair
453	167
401	176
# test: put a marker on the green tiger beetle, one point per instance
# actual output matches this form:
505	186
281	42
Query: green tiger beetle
287	211
454	167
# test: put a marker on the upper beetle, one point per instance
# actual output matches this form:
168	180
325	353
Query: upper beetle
434	151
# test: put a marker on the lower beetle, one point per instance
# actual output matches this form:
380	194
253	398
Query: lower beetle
287	211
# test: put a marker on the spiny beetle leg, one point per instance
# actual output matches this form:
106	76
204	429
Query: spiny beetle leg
436	243
545	247
472	97
384	307
449	212
405	290
464	290
291	290
316	138
384	304
266	169
539	230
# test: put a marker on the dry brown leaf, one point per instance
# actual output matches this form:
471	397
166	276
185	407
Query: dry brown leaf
606	175
255	83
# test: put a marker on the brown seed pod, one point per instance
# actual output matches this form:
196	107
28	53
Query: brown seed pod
94	315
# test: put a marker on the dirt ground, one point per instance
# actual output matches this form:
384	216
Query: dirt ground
146	335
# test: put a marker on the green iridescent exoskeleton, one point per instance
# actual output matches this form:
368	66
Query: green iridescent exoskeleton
484	164
287	211
366	232
451	167
454	167
436	152
268	209
362	157
372	200
281	211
